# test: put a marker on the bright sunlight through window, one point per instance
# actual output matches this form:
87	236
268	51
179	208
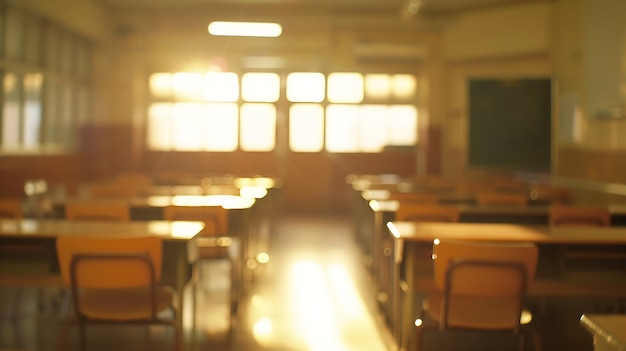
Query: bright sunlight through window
220	111
305	87
258	127
345	87
260	87
306	127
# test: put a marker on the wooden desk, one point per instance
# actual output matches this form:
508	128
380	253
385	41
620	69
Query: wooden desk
609	331
179	246
410	264
378	244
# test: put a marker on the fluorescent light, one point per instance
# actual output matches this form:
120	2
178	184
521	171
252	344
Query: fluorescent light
245	29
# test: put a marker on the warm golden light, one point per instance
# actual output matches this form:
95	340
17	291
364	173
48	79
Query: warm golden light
263	257
345	87
253	192
245	29
342	128
306	127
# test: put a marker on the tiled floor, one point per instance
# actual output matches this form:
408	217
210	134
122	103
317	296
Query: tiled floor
313	294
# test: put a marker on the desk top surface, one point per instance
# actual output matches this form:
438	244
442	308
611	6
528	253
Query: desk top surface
225	201
609	329
427	232
32	228
539	209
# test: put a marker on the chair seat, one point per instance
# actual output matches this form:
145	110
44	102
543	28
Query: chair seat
124	305
490	314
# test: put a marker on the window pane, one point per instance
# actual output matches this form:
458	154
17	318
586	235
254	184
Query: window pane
160	125
404	86
260	87
306	127
33	83
345	87
66	51
377	86
161	85
342	128
373	121
83	60
402	127
222	127
221	87
51	135
52	47
305	87
32	42
258	127
11	111
66	114
15	34
190	126
188	85
83	103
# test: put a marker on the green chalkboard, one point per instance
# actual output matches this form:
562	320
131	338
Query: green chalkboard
510	123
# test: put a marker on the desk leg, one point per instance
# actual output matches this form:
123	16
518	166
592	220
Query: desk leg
408	289
186	257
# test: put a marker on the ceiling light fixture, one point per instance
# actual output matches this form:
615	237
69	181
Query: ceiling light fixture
245	29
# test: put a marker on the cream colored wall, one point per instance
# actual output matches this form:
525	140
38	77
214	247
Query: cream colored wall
311	42
508	42
512	31
604	70
82	16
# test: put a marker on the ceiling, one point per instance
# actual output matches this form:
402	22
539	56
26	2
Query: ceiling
426	7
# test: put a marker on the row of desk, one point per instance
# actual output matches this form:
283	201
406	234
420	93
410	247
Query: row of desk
400	252
146	212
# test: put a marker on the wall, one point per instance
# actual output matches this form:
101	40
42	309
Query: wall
82	16
591	65
507	42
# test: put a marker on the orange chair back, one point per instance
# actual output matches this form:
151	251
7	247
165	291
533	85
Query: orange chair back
214	217
409	211
502	199
579	215
112	272
11	208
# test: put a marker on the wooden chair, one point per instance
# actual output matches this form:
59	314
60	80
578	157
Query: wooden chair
115	280
502	199
550	194
421	198
409	211
577	215
481	287
135	179
112	190
11	208
214	242
97	210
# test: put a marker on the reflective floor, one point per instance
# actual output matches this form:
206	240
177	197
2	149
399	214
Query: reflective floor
312	294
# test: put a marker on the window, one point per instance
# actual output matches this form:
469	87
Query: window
340	112
258	127
45	84
305	87
306	127
354	127
200	112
